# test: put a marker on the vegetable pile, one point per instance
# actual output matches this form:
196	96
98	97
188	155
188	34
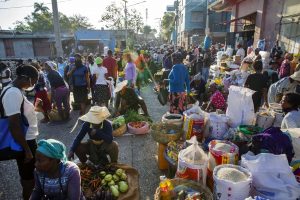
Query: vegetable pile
102	182
133	116
118	122
137	124
173	149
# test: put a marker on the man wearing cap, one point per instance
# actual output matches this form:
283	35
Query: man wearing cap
285	85
100	143
127	99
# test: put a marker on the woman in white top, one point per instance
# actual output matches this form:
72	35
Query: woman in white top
290	106
15	105
102	92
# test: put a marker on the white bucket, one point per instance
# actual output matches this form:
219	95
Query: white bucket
228	190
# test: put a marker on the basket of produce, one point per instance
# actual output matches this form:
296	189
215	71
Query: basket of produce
119	126
175	119
185	189
115	181
165	133
138	128
249	129
133	116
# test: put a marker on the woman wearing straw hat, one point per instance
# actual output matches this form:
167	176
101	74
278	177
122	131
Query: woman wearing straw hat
127	99
55	177
100	142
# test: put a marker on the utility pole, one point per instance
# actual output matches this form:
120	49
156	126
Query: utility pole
146	16
207	19
125	1
176	22
58	45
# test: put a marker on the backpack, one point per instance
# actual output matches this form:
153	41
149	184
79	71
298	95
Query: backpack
9	148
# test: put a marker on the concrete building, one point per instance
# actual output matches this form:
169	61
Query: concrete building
24	45
96	40
191	20
252	20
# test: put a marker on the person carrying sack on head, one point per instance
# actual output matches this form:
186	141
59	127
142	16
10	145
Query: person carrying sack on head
100	143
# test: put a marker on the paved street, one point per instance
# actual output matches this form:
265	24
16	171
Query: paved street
138	151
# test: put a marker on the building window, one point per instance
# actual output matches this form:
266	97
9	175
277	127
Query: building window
197	16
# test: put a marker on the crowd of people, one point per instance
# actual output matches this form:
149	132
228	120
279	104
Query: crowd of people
114	83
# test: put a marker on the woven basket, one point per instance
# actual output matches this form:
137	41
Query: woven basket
194	185
159	132
120	131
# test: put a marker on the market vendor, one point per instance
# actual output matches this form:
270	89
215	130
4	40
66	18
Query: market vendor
197	86
55	177
258	83
290	105
100	144
286	85
127	99
217	100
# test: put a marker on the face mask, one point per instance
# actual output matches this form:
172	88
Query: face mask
31	87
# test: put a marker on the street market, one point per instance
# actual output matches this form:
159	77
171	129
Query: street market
128	113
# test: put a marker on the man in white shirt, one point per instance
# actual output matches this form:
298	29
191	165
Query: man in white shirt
240	51
92	67
290	106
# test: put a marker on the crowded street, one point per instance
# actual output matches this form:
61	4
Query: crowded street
142	100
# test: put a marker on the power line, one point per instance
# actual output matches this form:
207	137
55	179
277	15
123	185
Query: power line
6	8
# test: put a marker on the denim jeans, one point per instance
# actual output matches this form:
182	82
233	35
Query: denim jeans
205	73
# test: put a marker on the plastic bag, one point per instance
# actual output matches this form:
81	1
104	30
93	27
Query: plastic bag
194	122
218	125
295	136
264	119
272	176
240	108
192	163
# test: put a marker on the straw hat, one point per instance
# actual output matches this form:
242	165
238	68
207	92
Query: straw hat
120	86
296	76
96	115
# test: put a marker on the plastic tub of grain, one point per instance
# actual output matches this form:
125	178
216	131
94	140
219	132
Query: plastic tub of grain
231	182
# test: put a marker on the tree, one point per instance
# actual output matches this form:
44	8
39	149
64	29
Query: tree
147	30
40	7
168	25
114	18
41	20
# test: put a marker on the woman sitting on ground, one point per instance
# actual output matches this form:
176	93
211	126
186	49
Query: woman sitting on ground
128	99
55	177
290	104
100	142
217	100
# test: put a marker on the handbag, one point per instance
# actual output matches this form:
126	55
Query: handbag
9	148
